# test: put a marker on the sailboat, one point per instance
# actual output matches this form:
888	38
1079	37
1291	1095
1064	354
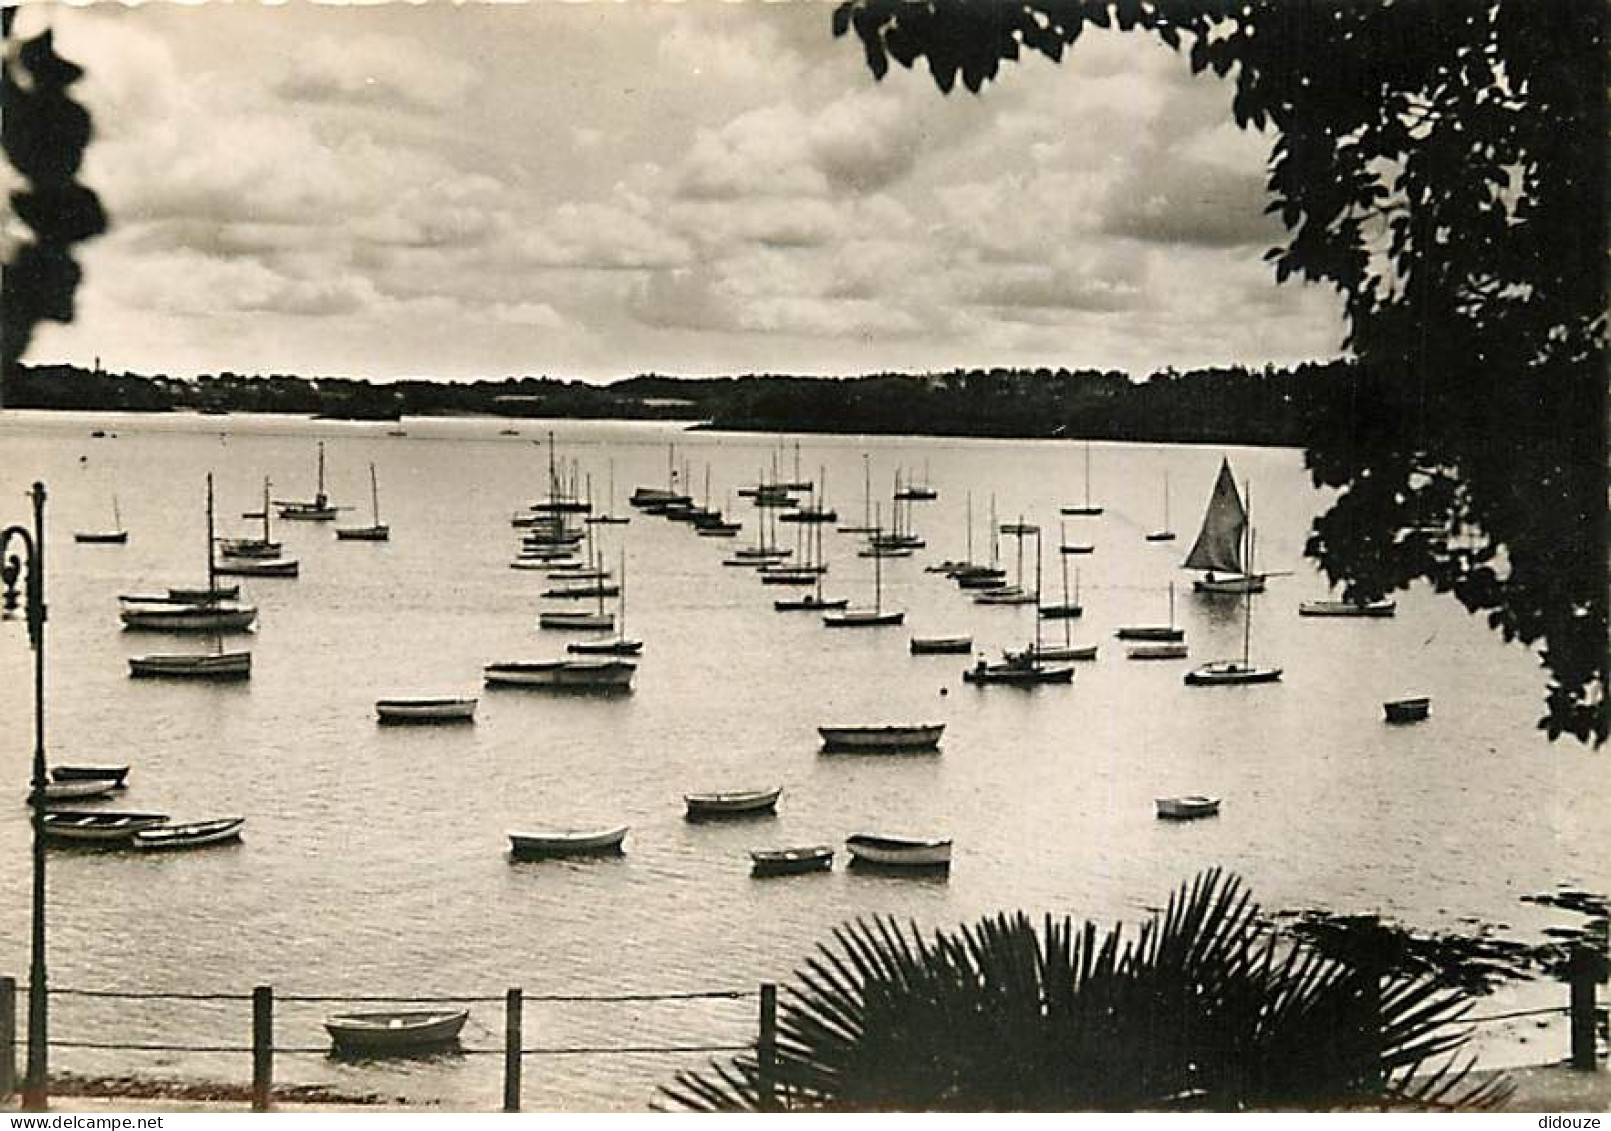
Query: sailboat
1028	667
918	493
813	601
1220	542
582	620
377	532
874	617
1155	632
216	617
609	517
867	526
1222	672
1087	508
318	510
1065	650
1067	609
1164	534
262	555
620	645
115	536
1015	594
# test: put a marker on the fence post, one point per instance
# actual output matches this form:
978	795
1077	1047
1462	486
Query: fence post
766	1049
8	1037
262	1047
1585	971
513	1040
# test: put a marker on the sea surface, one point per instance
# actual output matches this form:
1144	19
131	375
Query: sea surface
374	859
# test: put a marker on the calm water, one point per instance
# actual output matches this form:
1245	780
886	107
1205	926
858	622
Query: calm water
374	859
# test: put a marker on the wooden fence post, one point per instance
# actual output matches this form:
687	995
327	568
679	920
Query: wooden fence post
1585	970
8	1037
262	1047
766	1049
513	1039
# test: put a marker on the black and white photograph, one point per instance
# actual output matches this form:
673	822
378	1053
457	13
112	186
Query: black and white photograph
804	556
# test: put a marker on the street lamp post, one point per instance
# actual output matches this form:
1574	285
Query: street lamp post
30	568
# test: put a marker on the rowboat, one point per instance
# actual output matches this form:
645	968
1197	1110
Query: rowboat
191	834
104	827
447	710
1186	808
924	736
193	665
1157	632
732	803
941	645
1006	595
256	567
809	603
577	621
182	596
862	618
395	1031
113	774
1382	608
1411	710
573	675
566	842
1066	611
619	646
790	861
249	547
1162	651
76	790
899	851
205	617
589	590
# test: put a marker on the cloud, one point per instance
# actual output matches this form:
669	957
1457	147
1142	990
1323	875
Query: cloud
537	315
388	72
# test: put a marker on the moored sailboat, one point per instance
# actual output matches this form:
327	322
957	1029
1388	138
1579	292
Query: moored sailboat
318	509
1220	543
376	531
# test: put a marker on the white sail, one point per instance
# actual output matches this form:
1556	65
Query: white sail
1219	543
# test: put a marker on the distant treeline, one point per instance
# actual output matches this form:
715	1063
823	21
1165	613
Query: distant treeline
1219	405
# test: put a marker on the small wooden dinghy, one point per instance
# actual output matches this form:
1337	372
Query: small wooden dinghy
578	621
576	675
1410	710
461	710
732	803
899	851
84	789
1382	608
395	1031
190	834
257	567
1056	652
790	861
210	616
1156	652
552	843
941	645
620	646
862	618
98	827
1187	808
810	603
1155	632
925	736
113	774
1018	669
192	665
101	537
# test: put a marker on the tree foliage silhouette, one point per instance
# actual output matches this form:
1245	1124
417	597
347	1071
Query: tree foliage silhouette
1441	165
44	133
1203	1008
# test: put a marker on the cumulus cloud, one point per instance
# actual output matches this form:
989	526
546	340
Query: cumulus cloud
385	71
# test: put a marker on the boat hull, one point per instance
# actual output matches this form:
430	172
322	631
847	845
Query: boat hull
1230	673
899	852
791	861
853	618
576	675
1251	583
559	843
68	826
1347	609
395	1033
1186	808
1166	651
882	739
363	533
113	774
741	803
576	622
941	645
1018	674
1159	633
200	665
101	537
394	711
187	618
194	834
1411	710
810	605
257	567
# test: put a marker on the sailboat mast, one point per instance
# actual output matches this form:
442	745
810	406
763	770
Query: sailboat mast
1247	601
1062	560
621	594
374	494
1037	588
265	512
969	558
995	535
820	566
320	494
212	582
878	558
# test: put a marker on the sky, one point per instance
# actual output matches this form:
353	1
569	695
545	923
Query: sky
594	190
